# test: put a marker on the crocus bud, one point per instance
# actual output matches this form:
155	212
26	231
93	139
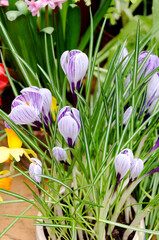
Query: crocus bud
74	65
151	64
129	153
122	165
69	124
127	115
136	168
59	153
35	169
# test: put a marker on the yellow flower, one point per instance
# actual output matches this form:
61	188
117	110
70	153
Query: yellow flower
5	183
14	151
54	107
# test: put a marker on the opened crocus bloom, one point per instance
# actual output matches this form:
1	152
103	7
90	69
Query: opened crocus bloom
14	151
69	124
74	65
28	107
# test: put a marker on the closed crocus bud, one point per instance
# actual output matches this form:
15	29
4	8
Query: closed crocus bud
151	64
127	115
69	124
136	168
122	166
129	153
74	65
59	153
152	94
35	169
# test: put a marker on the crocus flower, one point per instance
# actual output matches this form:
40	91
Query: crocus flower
136	168
35	169
28	107
129	153
74	65
69	124
151	64
14	151
4	3
127	115
59	153
122	165
152	94
5	183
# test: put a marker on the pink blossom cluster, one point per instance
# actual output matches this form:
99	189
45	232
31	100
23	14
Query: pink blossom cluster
4	3
34	6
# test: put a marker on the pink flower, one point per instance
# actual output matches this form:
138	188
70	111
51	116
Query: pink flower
34	7
4	3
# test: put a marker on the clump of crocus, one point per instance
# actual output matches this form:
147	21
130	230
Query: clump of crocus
35	6
4	3
69	124
60	154
74	65
28	107
35	169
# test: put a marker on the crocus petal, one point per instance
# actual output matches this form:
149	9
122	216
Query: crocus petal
122	165
60	154
129	153
68	128
24	114
63	112
35	169
64	61
4	154
153	88
153	104
136	168
127	115
76	117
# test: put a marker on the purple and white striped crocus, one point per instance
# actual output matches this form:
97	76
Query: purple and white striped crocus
59	153
28	107
152	94
151	64
74	65
35	169
136	168
69	124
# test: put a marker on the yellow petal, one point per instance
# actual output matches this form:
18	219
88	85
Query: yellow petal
1	199
13	140
16	153
4	154
5	183
29	151
54	107
4	172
